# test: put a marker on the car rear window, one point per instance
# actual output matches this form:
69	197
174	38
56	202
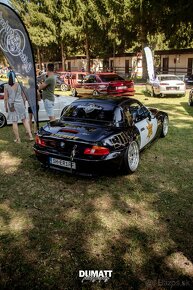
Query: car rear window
111	78
89	111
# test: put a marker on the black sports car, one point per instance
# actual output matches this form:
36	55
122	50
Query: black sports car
99	135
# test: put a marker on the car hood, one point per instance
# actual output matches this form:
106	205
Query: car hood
77	131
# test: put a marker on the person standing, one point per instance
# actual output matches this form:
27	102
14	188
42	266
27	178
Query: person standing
30	93
11	72
14	100
48	87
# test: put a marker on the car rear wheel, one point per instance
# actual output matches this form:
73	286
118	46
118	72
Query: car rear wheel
3	120
131	158
74	93
165	126
152	93
64	87
95	93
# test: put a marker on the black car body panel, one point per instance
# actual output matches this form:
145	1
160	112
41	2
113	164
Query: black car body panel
93	135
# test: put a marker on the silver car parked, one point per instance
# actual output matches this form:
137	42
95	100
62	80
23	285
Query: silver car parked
166	84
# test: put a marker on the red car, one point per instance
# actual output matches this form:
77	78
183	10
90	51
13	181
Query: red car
104	83
71	79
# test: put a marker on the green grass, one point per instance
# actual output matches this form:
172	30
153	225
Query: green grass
140	226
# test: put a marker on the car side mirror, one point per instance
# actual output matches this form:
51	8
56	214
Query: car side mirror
149	116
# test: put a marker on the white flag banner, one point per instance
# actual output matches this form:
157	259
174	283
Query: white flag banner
149	60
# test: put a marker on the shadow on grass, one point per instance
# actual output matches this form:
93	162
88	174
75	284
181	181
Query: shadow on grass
139	226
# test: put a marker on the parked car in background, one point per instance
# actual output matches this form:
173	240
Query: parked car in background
100	135
190	98
60	103
104	84
166	84
71	79
189	80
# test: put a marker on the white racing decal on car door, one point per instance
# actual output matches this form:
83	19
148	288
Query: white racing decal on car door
147	130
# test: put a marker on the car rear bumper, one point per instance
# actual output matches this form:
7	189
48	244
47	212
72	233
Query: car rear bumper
111	163
172	92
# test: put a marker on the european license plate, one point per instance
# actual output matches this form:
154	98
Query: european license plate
172	88
63	163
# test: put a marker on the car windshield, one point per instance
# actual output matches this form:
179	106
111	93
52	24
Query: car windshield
89	112
168	78
111	78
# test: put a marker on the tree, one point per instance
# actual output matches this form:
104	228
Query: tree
40	26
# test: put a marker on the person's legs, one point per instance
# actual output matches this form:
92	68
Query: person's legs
49	107
30	121
16	132
27	127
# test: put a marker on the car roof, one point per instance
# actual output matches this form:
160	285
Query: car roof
116	101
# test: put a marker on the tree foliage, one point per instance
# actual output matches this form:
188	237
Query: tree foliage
106	27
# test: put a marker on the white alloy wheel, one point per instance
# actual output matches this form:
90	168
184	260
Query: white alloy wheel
74	92
95	93
165	127
133	156
64	87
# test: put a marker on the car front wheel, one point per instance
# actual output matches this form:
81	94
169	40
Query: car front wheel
165	126
3	120
74	93
131	158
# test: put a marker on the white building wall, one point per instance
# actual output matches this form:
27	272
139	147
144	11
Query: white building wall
178	63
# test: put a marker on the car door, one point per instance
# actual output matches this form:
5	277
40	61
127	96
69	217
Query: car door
89	84
145	122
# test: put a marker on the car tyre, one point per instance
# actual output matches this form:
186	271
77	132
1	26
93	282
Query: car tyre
165	126
3	120
64	87
152	93
95	93
131	158
74	92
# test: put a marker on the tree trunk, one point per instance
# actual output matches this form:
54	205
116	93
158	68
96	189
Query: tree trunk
39	58
87	48
63	57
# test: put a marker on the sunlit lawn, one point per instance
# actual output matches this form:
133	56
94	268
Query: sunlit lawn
140	226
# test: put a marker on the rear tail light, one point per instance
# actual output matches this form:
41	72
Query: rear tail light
96	151
39	141
164	84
